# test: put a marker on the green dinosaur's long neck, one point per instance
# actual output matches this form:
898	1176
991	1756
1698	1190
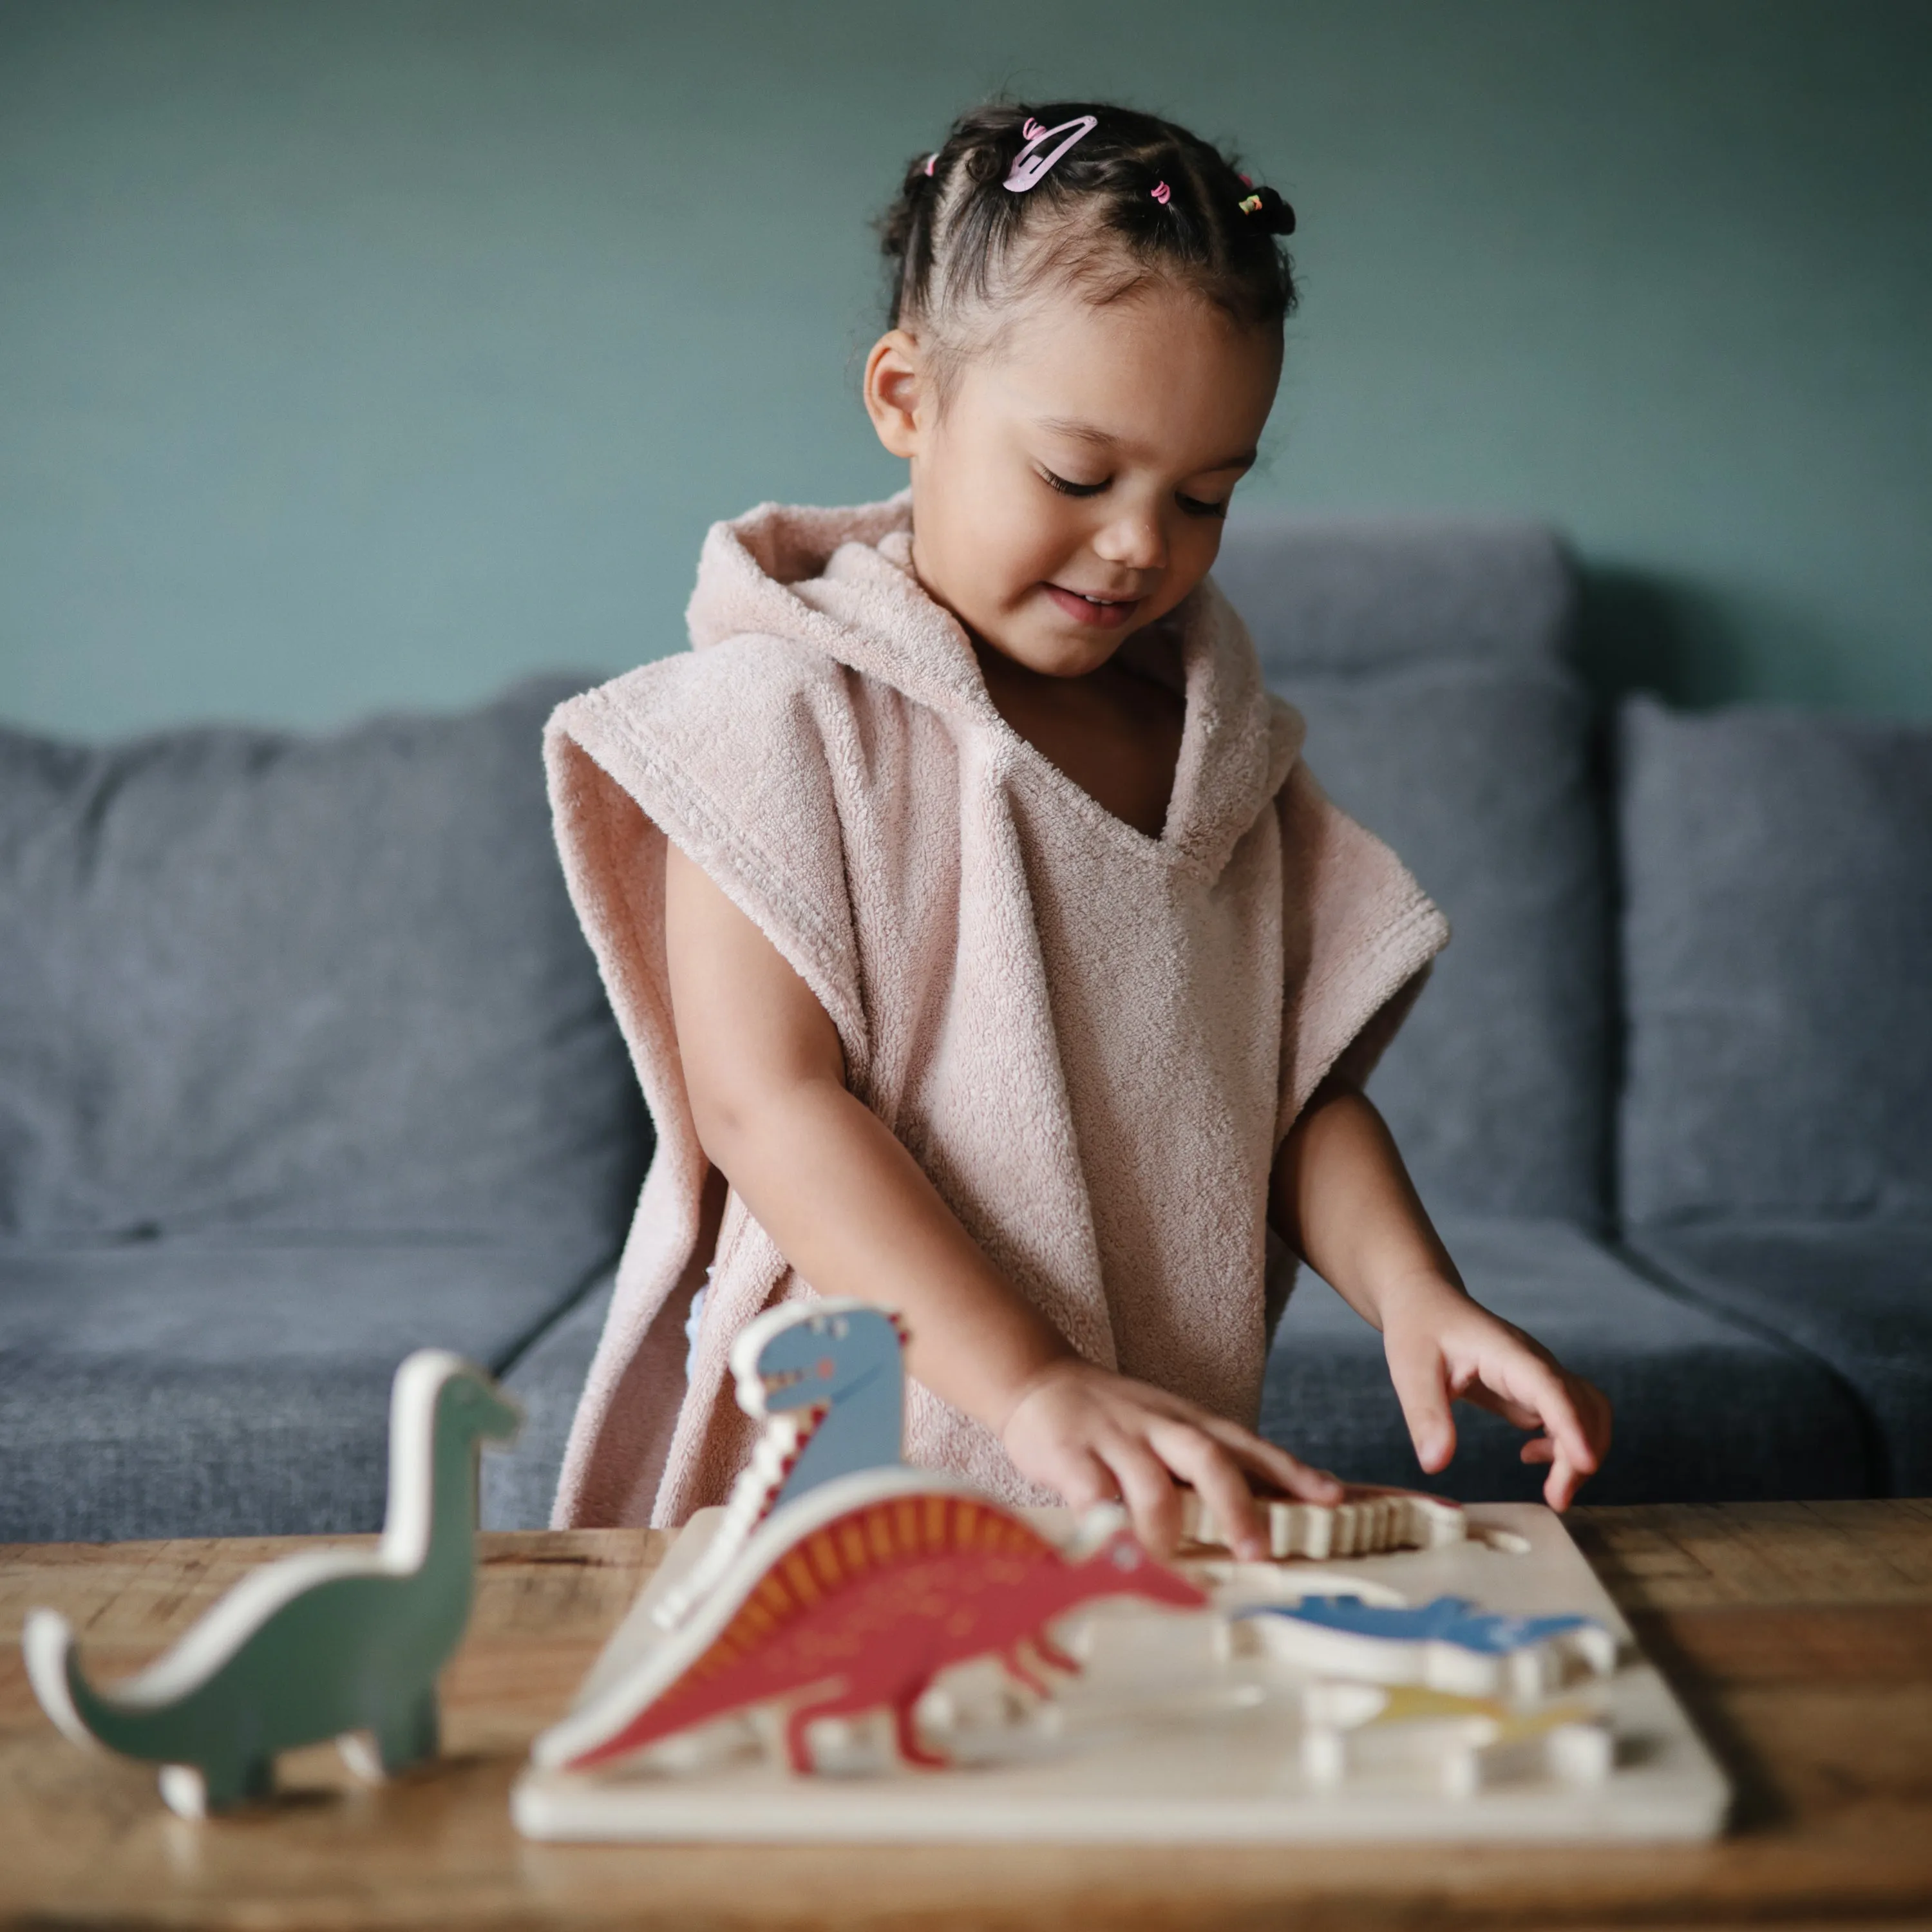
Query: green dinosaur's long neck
432	1530
453	1503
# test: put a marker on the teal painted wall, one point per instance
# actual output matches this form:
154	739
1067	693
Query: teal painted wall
358	352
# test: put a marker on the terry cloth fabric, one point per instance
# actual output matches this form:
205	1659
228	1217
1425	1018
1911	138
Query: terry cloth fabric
1093	1042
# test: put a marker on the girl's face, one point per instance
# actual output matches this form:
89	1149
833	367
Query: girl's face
1072	488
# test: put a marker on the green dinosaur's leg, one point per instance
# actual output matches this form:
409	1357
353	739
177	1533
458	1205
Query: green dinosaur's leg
410	1733
234	1781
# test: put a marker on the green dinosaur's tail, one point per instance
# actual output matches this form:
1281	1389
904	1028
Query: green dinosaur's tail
53	1668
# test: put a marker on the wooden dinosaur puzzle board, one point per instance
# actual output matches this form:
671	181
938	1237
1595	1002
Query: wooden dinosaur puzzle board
1171	1733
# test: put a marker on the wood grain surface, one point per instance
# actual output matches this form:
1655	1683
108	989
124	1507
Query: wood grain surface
1799	1635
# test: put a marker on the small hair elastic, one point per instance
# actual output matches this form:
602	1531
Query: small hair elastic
931	162
1161	192
1268	210
1031	166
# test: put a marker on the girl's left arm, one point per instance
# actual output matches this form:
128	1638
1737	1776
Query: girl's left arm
1342	1198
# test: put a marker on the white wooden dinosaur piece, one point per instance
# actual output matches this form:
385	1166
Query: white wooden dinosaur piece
1366	1522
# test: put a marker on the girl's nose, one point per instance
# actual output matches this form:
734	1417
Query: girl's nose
1133	543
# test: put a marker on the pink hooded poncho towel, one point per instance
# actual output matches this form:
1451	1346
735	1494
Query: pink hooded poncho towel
1092	1042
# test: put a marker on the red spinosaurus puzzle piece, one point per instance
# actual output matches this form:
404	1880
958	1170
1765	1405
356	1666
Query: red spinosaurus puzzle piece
853	1599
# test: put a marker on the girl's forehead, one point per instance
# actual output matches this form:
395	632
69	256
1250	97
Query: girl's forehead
1159	374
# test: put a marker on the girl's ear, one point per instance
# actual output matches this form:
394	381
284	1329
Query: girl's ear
895	387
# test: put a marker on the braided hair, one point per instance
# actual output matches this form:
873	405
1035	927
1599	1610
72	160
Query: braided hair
1136	201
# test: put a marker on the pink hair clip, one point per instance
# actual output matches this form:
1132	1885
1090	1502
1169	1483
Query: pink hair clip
1031	166
1161	192
931	161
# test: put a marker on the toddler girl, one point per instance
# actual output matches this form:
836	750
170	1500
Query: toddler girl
986	951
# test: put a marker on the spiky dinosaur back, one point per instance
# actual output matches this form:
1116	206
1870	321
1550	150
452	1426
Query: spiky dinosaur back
825	1379
754	1496
877	1599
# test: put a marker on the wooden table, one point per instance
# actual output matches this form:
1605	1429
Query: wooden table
1800	1635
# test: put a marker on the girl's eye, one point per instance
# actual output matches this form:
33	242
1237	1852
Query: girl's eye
1191	506
1067	489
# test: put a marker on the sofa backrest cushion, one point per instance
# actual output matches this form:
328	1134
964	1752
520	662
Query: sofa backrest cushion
251	980
1360	594
1428	658
1778	965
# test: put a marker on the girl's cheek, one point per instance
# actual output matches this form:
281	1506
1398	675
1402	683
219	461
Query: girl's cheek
1031	544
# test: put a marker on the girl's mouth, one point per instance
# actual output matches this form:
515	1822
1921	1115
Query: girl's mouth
1105	613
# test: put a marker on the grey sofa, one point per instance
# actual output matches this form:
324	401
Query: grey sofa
303	1063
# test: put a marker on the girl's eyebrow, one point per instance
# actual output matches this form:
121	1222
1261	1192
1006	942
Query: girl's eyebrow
1086	432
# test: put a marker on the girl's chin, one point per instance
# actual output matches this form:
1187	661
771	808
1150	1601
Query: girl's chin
1057	654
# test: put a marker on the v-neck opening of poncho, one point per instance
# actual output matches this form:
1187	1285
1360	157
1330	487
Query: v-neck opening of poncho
1168	846
843	582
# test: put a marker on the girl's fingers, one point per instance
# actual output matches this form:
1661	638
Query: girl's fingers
1203	1462
1302	1480
1538	1386
1148	1491
1276	1468
1480	1395
1560	1488
1567	1478
1417	1370
1121	1438
1559	1395
1597	1404
1081	1478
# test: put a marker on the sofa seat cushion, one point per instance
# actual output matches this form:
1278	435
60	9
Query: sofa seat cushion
169	1389
1706	1410
1777	952
1857	1296
520	1482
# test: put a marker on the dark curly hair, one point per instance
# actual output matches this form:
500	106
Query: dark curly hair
1136	200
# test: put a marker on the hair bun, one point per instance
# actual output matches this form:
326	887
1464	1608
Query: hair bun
1267	211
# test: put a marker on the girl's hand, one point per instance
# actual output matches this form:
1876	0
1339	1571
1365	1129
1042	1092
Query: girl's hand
1095	1436
1442	1347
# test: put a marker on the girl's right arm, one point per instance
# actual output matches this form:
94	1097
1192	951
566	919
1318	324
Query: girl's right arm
855	1214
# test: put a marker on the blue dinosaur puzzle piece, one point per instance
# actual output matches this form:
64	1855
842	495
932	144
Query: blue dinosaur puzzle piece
833	1367
844	1355
1454	1620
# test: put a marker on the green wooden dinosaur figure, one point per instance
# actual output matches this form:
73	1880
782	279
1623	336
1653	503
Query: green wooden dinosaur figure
333	1643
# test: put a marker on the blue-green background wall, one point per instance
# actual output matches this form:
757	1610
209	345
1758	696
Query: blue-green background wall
355	353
